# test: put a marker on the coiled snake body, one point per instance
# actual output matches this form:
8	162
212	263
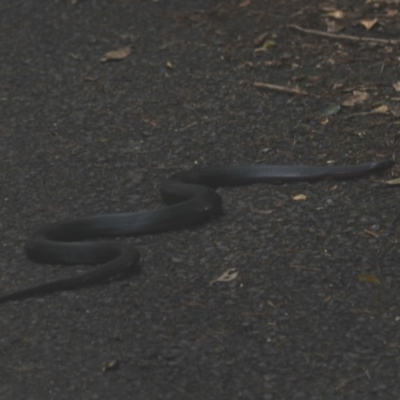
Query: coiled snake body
191	199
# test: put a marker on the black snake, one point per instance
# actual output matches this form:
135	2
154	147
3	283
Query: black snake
191	199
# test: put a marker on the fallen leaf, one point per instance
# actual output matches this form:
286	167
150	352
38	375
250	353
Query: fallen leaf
368	23
396	86
394	181
325	121
337	85
370	278
391	13
244	3
299	197
355	98
227	276
383	109
338	14
110	365
119	54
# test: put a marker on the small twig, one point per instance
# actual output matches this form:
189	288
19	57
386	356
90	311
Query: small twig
278	88
345	37
260	39
359	114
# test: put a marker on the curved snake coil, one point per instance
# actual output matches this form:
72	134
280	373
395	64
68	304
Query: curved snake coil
191	200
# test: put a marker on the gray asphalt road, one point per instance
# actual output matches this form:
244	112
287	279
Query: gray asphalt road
313	311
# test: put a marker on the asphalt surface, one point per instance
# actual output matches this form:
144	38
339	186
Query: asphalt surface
301	319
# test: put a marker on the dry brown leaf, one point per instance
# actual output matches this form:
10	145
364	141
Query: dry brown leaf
355	98
337	85
370	278
396	86
325	121
119	54
391	13
244	3
227	276
338	14
299	197
383	109
394	181
368	23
